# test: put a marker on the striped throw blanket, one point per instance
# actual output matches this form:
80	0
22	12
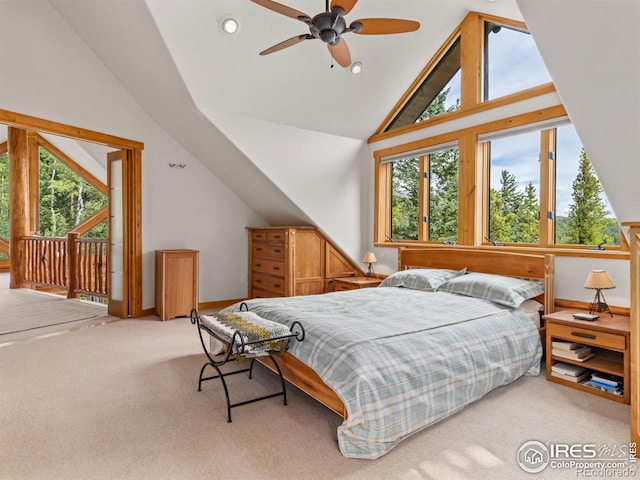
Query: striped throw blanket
250	333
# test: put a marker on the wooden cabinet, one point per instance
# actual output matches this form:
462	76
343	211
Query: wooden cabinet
608	338
287	261
176	283
355	283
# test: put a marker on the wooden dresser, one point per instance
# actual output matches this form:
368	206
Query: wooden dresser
176	283
287	261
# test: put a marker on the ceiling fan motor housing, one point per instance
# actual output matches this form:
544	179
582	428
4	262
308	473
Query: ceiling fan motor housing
328	27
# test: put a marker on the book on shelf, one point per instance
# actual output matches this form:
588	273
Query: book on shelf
568	369
607	379
571	378
566	345
605	388
578	355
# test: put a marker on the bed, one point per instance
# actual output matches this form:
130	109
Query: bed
395	359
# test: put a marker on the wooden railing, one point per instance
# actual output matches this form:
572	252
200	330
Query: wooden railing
77	265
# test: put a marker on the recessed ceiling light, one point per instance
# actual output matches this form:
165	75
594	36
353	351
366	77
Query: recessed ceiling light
230	25
356	67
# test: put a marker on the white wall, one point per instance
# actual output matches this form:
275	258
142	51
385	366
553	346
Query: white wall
48	72
319	172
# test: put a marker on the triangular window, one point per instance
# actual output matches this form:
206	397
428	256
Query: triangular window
500	59
438	94
512	62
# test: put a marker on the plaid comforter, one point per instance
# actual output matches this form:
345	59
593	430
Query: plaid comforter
403	359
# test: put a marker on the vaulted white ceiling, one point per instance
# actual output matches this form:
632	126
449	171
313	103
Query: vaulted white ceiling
174	59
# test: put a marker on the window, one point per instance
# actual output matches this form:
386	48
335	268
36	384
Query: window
439	93
511	61
424	196
514	175
577	208
504	174
583	213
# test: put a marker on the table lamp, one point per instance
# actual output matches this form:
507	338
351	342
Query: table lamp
599	280
369	258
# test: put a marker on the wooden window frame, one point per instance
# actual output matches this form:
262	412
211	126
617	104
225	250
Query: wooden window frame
473	181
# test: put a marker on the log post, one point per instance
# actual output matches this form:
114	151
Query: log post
72	264
18	148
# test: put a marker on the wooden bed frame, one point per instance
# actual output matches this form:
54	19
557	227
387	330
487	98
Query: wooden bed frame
539	267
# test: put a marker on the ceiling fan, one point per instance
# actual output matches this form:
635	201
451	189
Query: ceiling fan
330	25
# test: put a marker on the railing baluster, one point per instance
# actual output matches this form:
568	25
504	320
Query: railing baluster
78	266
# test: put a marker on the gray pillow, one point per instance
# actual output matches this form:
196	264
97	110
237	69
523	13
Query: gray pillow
509	291
426	279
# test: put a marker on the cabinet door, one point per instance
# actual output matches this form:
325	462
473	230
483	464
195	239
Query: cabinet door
307	262
337	265
176	283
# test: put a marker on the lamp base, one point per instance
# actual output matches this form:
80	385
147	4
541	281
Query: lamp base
369	271
599	304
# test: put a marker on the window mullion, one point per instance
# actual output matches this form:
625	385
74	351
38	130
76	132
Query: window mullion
547	186
423	199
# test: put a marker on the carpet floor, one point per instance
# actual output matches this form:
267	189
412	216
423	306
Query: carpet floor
120	401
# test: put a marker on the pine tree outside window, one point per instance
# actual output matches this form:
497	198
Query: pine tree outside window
581	216
424	196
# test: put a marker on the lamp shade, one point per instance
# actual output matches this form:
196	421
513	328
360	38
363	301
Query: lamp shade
369	257
598	279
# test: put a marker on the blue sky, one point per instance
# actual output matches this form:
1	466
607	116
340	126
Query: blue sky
514	65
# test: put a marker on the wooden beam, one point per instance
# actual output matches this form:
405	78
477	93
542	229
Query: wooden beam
72	164
634	243
18	200
18	120
90	222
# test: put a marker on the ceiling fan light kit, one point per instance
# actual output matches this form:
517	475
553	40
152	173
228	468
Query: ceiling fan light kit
330	25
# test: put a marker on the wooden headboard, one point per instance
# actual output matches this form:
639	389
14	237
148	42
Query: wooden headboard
521	265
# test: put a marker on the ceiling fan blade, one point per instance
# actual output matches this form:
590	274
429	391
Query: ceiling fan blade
382	26
340	53
287	43
282	9
346	5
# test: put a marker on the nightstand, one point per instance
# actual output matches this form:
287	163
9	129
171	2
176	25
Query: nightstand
355	283
608	339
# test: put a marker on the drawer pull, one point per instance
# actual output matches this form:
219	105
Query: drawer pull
276	285
258	281
276	268
583	335
259	249
277	251
258	264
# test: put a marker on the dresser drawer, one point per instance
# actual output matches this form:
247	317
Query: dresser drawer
587	336
260	293
273	236
276	236
342	286
259	235
272	267
266	282
268	251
